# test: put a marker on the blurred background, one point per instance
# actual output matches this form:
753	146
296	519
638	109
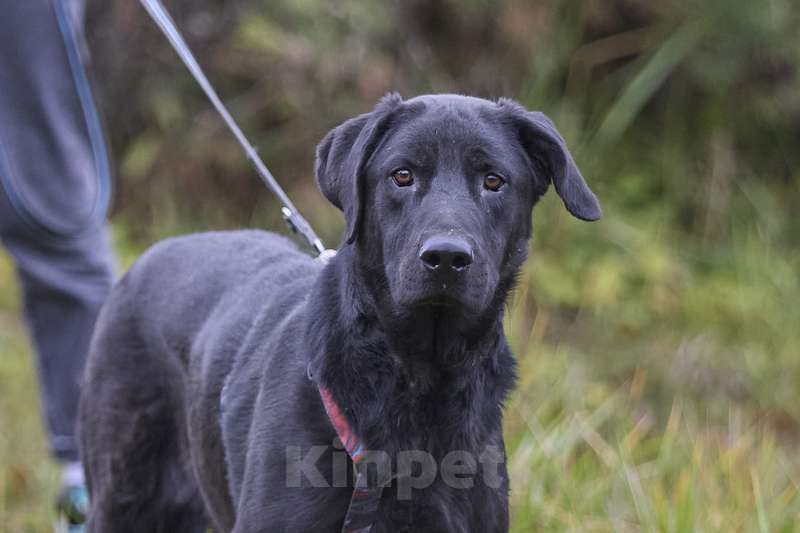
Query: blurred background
659	349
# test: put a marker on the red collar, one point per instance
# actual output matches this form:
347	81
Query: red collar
365	501
346	434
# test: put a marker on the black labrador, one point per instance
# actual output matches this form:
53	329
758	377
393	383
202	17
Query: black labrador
204	401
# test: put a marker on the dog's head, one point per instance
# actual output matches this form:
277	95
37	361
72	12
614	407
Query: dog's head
437	193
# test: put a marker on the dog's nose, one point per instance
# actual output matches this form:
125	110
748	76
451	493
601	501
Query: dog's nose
445	253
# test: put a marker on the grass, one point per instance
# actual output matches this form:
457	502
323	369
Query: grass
28	479
658	387
659	379
603	462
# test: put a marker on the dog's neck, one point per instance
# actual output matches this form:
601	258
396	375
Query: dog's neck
400	389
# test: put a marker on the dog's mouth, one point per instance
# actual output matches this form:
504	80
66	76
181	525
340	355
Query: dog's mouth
440	301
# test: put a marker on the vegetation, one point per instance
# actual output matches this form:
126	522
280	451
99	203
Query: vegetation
659	349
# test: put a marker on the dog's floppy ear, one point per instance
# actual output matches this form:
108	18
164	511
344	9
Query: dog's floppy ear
547	149
343	154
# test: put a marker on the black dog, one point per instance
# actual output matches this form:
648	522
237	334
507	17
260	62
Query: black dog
198	408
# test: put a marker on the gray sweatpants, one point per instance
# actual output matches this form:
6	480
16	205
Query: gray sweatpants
54	193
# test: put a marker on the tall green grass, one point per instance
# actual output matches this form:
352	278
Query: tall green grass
659	377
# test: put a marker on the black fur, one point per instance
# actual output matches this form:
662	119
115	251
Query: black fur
198	375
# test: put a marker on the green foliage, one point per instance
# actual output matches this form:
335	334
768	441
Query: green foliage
659	348
659	384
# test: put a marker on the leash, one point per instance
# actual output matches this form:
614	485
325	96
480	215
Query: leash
293	218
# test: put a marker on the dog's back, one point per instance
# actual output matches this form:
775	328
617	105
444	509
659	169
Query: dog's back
148	352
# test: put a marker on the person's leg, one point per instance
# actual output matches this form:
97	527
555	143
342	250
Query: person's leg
64	283
54	190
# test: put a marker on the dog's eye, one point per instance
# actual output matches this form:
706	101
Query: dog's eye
493	182
403	177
